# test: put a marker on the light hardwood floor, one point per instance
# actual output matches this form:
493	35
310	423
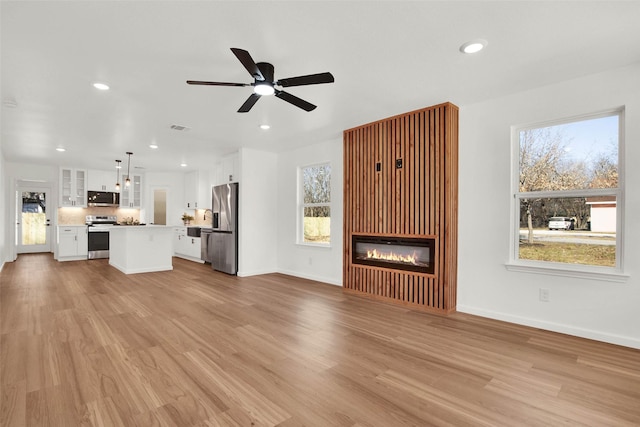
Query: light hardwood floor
85	345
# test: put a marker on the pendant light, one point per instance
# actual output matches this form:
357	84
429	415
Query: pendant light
127	182
118	174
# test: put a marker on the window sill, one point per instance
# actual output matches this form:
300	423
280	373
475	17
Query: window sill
559	270
315	245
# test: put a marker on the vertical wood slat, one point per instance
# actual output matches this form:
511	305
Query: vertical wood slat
418	199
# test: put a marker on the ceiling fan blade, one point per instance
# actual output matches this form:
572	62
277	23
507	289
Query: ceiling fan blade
311	79
248	62
250	102
306	106
197	82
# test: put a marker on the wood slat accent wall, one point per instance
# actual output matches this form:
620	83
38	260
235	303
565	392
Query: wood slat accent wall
420	199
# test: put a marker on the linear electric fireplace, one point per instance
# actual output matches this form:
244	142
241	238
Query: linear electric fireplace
400	228
401	253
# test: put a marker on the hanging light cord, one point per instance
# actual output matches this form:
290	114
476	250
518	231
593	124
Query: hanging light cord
118	175
128	181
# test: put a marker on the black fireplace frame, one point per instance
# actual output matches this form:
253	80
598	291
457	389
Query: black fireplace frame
423	242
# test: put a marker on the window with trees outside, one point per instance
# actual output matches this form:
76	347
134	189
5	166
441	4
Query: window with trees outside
568	195
315	204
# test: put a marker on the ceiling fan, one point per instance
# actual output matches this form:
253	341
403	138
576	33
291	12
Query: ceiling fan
264	83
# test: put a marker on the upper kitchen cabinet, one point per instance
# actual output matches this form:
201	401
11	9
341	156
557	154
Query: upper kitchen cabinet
197	190
227	170
131	196
73	187
101	180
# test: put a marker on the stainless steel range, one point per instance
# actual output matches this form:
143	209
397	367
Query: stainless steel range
98	234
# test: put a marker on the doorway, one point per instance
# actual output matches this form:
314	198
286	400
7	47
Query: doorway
33	225
160	206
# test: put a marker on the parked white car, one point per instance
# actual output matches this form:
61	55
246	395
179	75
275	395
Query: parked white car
561	223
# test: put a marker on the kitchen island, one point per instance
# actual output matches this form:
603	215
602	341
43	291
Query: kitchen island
141	249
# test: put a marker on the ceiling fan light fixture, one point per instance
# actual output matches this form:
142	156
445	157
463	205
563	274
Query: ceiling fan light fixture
264	89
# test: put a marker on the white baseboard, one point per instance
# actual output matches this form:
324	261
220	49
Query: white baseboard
554	327
255	273
310	277
189	258
126	270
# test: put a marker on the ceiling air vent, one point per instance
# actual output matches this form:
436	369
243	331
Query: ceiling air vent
179	127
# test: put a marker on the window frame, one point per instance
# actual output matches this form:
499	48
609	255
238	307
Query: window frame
301	207
515	263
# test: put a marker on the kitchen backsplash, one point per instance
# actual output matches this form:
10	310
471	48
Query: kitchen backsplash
76	216
200	219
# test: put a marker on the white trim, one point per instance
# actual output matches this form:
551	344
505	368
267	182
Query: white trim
141	270
256	273
187	257
300	206
615	274
556	269
310	277
552	326
573	119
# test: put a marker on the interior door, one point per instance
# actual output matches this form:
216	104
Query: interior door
33	220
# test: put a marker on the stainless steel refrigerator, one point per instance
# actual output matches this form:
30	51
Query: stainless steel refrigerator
224	248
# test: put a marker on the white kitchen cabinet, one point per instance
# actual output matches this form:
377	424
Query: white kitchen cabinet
179	237
72	242
185	246
131	196
226	170
230	169
73	187
99	180
197	190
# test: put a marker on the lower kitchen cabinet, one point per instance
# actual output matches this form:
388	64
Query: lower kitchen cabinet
185	246
72	242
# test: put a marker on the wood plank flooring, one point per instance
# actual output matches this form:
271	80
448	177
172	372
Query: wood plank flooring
85	345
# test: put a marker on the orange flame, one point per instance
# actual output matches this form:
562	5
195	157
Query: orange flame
391	256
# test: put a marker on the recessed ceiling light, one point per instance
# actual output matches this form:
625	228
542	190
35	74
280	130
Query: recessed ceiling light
101	86
473	46
154	146
183	165
60	149
265	127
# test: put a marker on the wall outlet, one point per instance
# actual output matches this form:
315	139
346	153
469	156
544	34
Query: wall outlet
544	295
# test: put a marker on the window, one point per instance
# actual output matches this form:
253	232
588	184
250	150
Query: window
568	195
315	204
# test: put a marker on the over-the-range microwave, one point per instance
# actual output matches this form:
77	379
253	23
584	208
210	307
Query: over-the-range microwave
103	198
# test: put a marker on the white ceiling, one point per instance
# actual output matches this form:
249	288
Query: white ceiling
387	58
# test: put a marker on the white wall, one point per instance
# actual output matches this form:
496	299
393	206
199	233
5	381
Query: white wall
258	212
173	182
4	212
595	309
317	263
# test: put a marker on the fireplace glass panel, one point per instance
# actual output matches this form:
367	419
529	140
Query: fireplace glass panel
410	254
